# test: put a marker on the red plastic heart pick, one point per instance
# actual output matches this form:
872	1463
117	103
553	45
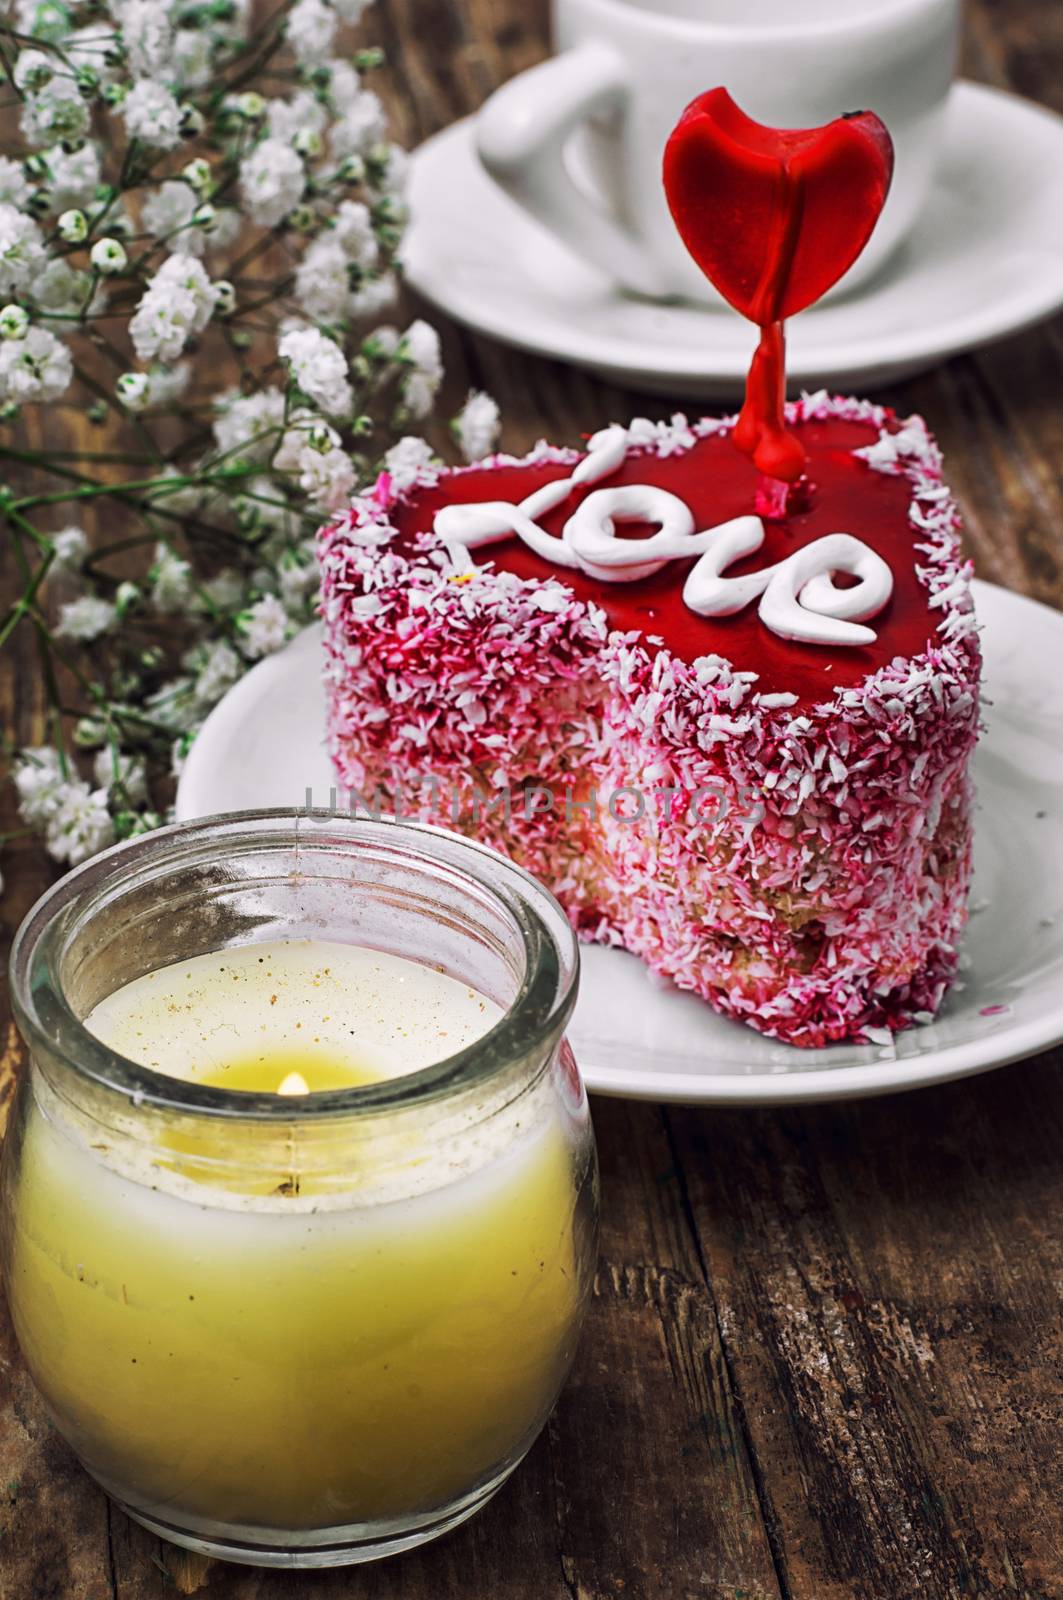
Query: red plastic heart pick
773	217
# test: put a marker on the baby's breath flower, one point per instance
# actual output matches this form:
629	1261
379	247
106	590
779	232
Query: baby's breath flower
344	83
79	825
308	143
34	71
476	427
298	580
171	581
353	228
169	210
311	28
147	36
305	428
85	619
322	284
151	113
227	225
114	770
420	346
272	180
13	323
192	57
62	287
37	367
319	367
374	296
166	384
71	547
326	478
218	669
21	249
73	175
198	173
301	113
109	256
93	50
73	227
382	343
249	425
131	83
397	171
132	390
177	303
361	126
192	122
405	460
38	777
57	111
264	627
15	187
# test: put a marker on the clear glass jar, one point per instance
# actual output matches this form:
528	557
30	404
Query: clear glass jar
299	1332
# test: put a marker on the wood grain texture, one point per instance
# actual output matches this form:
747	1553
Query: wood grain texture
823	1358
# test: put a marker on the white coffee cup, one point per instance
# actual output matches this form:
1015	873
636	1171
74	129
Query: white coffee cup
578	140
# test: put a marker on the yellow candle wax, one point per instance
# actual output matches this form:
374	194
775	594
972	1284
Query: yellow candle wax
336	1345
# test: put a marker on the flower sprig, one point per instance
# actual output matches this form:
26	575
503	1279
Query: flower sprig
198	249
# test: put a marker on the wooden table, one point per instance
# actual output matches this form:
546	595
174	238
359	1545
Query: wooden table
823	1357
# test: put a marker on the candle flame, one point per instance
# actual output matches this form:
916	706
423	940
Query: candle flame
294	1083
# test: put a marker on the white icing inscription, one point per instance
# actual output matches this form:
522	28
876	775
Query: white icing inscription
799	599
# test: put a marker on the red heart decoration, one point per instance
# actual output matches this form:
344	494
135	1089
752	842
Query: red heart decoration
774	216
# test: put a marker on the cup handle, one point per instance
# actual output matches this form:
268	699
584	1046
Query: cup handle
521	134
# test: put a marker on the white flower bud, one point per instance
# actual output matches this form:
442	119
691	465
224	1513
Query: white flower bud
73	226
224	296
89	732
14	323
321	437
205	217
251	106
108	256
308	142
351	169
191	123
132	389
198	174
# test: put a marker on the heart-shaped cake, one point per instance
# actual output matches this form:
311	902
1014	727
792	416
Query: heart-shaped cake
737	748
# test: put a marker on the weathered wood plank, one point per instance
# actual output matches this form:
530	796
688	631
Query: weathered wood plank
887	1279
878	1323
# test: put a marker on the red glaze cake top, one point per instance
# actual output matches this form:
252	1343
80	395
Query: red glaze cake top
719	483
394	592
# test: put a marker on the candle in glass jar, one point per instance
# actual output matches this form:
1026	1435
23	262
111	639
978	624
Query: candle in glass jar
304	1332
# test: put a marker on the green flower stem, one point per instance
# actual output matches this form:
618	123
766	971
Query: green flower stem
92	491
31	579
45	651
46	459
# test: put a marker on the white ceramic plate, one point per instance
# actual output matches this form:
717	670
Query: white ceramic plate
263	746
985	261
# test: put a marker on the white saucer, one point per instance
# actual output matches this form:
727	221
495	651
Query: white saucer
986	260
262	746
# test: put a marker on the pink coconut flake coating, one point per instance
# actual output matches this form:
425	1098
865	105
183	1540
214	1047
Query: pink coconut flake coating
802	865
